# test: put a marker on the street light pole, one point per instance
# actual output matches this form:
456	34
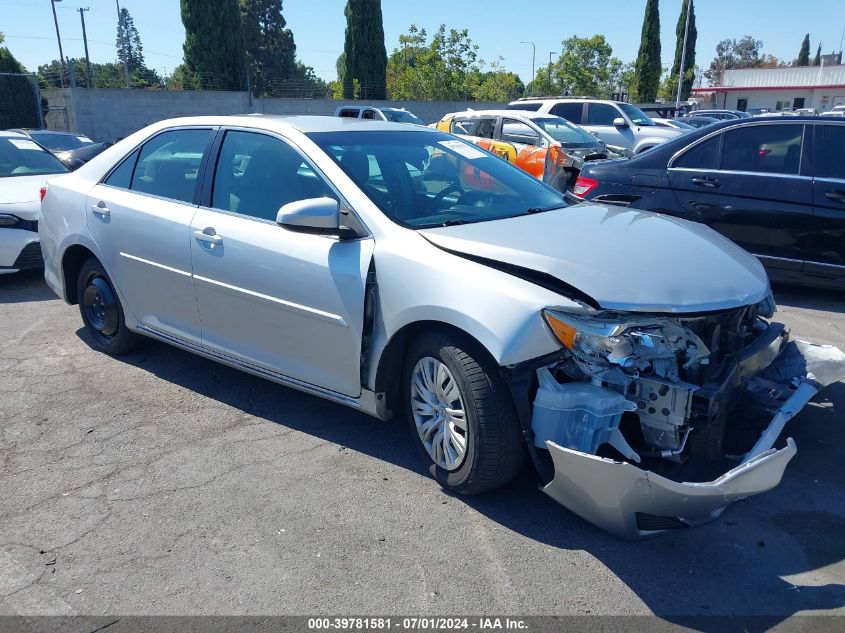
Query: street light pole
550	69
122	32
681	72
59	39
533	57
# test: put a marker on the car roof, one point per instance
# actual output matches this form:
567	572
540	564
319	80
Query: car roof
11	134
300	123
524	114
558	99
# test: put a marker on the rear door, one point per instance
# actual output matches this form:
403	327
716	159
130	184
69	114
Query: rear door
750	184
140	217
826	254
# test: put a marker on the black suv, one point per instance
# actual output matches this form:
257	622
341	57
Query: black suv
776	187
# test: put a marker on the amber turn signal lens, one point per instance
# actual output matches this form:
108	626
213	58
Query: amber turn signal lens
564	332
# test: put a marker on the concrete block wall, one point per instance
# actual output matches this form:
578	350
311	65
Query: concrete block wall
111	114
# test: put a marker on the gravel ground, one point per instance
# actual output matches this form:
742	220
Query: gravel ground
162	483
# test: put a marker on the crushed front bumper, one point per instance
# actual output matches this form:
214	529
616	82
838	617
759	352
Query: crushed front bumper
631	502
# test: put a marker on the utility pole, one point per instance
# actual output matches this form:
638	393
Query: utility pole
85	42
122	33
59	39
550	70
681	72
533	57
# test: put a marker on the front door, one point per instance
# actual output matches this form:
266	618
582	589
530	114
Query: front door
826	253
290	302
599	121
140	217
747	184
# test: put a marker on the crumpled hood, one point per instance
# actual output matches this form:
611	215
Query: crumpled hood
19	195
622	258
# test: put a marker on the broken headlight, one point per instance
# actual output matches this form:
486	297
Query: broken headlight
590	336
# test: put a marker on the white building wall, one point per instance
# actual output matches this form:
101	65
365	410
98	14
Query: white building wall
821	99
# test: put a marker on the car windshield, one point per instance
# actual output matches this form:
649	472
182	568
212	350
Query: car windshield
401	116
60	142
423	179
23	157
637	116
681	125
565	132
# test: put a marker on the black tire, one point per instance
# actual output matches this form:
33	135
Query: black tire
101	311
494	444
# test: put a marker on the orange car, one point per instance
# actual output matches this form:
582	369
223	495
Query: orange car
548	147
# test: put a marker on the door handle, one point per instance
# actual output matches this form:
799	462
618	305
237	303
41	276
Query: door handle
209	236
836	196
100	209
707	182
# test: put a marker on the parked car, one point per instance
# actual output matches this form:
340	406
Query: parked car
722	115
378	113
24	167
774	186
673	123
401	270
547	147
699	121
616	123
837	111
73	149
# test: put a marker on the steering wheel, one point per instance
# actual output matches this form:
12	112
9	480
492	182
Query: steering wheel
446	191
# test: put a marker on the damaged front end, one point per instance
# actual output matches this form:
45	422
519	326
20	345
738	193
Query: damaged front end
654	423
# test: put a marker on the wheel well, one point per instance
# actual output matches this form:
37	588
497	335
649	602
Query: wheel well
72	261
390	366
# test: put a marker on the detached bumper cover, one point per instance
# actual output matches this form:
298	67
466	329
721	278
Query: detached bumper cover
630	502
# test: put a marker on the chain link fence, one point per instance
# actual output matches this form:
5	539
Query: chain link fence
21	105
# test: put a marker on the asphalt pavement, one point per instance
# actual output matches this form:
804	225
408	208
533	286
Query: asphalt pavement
163	483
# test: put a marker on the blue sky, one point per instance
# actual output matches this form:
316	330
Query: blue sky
494	25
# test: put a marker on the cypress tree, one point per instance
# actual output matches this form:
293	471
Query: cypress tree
689	60
214	44
804	53
648	68
365	57
270	49
817	61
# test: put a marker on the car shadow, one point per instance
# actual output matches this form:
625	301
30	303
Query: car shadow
809	298
28	285
734	566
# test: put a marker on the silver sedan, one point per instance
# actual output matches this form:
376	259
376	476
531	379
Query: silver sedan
405	272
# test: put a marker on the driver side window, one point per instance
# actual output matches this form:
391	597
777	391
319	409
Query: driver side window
257	174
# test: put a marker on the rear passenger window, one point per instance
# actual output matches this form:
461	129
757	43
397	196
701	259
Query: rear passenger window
168	164
121	176
485	128
349	114
601	114
771	149
257	174
834	149
572	112
703	156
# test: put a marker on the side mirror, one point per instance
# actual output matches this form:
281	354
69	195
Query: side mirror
314	214
620	122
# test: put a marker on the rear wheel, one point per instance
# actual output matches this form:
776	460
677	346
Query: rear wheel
461	414
101	311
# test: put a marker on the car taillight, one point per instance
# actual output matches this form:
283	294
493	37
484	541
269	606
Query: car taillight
42	192
583	186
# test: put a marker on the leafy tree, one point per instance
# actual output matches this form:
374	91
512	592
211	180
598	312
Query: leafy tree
270	48
648	59
497	84
214	44
804	53
108	75
365	57
586	66
308	84
443	69
689	57
733	54
817	60
8	63
129	48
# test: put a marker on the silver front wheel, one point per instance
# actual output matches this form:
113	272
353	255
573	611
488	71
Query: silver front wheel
439	413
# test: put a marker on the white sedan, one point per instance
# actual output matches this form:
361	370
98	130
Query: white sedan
24	168
404	271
